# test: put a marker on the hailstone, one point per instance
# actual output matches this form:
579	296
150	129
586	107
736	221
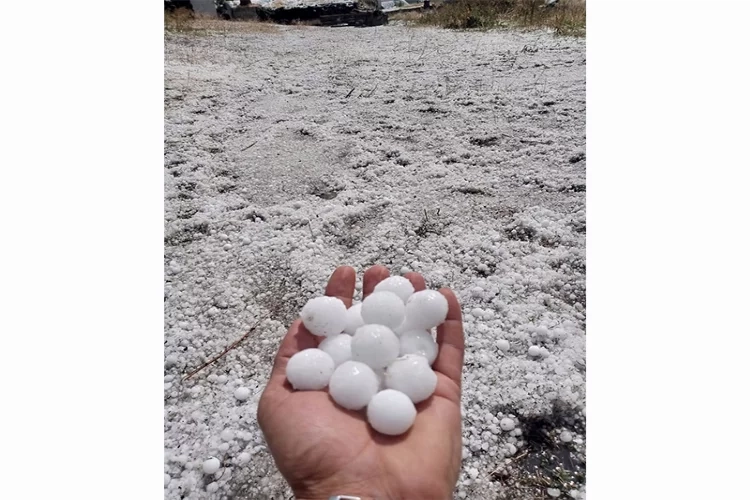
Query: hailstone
419	342
507	424
426	309
211	465
324	316
338	347
383	308
242	393
391	412
310	370
353	319
375	345
412	375
353	384
398	285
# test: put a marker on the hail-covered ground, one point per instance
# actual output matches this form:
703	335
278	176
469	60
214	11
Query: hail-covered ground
460	155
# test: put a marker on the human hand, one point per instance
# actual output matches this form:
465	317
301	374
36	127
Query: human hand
322	449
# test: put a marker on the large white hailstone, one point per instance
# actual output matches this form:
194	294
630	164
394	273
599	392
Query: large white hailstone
535	351
375	345
310	370
419	342
503	345
391	412
211	465
398	285
426	309
353	384
324	316
383	308
339	347
566	437
353	319
412	375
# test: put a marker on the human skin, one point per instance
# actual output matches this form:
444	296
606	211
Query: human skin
322	449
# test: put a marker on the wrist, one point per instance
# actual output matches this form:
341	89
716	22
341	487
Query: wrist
325	491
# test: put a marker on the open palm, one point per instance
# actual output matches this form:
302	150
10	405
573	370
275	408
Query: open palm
323	450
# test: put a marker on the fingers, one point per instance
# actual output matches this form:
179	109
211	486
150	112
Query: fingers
341	284
417	281
450	339
372	277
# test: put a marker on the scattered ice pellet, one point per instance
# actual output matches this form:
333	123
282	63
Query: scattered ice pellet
309	370
227	435
212	487
243	458
171	360
391	412
426	309
419	342
383	308
473	473
503	345
211	465
353	384
167	479
324	316
535	351
353	319
375	345
242	393
541	332
566	437
397	284
553	492
412	375
512	449
507	424
224	447
339	347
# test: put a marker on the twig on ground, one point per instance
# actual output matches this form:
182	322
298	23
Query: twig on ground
251	145
514	459
350	93
223	353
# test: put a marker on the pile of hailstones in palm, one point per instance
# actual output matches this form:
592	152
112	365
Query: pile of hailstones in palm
376	355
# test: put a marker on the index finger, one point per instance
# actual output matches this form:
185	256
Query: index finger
450	339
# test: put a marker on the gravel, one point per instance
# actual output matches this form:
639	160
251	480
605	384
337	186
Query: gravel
291	151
